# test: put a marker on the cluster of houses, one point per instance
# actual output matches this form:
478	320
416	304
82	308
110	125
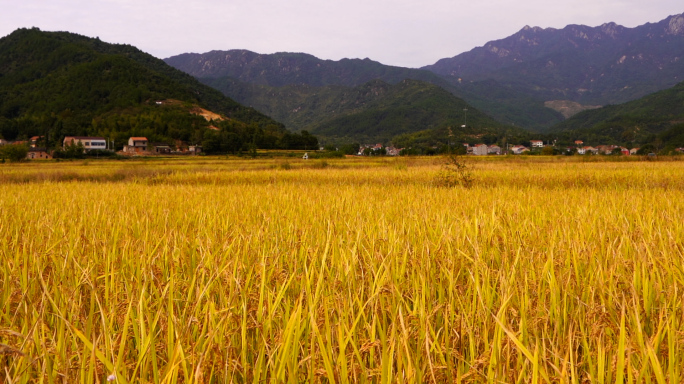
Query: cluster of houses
136	146
484	149
141	146
35	151
370	148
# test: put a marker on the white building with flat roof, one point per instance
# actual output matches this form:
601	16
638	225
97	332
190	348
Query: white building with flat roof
89	143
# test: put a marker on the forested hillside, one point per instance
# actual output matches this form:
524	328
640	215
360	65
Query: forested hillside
372	112
250	77
57	83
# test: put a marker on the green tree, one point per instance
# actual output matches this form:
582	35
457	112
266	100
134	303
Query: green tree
350	149
14	152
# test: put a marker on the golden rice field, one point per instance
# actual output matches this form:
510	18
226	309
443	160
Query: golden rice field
350	270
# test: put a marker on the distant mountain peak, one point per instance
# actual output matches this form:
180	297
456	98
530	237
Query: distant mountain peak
676	25
611	29
528	28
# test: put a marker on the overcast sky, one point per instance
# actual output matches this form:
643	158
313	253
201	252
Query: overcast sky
398	32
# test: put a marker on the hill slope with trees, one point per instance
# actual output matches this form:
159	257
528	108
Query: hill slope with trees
247	77
656	120
58	83
375	111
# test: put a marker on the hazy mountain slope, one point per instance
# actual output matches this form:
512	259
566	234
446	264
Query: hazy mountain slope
280	69
380	111
640	121
509	105
374	111
237	72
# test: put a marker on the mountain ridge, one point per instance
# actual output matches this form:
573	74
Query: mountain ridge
594	65
526	79
286	68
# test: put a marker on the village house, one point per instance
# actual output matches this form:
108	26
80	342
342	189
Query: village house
494	150
33	142
594	151
194	149
136	145
579	142
160	148
392	151
89	143
536	143
38	153
633	151
519	149
606	149
480	150
3	142
624	151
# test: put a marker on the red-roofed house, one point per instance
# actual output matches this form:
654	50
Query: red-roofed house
494	149
38	153
34	141
136	145
480	150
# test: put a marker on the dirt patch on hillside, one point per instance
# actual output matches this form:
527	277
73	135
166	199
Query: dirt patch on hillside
208	115
195	109
568	108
